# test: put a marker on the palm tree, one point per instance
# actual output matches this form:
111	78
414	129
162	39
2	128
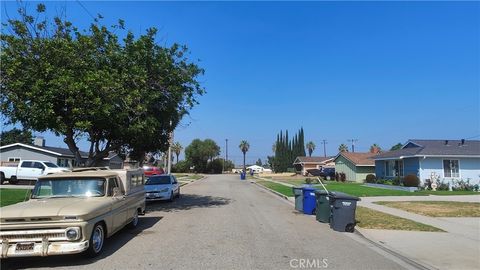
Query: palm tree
343	148
244	146
311	147
177	148
375	148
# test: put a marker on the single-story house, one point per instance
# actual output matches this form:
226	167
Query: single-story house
443	160
356	166
63	157
302	164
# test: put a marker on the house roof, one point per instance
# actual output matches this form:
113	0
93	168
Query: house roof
311	160
58	151
359	159
413	148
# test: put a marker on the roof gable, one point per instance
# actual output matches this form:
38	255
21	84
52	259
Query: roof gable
358	158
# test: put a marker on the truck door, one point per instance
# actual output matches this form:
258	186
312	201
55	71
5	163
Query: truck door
29	170
119	214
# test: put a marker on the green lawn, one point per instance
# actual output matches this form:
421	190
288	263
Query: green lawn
12	196
372	219
287	191
357	189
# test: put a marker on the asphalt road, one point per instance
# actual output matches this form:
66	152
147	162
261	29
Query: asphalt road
223	223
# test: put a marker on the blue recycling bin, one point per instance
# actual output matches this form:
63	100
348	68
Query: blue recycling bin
309	200
242	176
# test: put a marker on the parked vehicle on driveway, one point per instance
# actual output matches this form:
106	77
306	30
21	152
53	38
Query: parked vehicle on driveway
72	212
162	187
28	170
149	171
327	173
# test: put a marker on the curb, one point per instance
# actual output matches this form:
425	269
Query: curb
404	259
273	191
194	181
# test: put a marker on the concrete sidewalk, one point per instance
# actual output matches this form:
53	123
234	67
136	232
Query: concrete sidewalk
457	248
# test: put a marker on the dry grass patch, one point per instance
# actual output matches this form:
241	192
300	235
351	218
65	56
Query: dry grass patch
438	208
371	219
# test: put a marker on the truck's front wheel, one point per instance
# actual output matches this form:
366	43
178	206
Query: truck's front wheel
2	178
96	240
13	180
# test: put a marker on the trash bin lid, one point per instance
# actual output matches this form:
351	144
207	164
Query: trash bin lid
297	188
321	192
343	196
307	188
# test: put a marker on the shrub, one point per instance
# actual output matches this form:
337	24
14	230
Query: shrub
370	178
343	177
441	185
181	167
411	180
337	177
396	181
215	166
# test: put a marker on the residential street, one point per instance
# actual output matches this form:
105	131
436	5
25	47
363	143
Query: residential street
223	223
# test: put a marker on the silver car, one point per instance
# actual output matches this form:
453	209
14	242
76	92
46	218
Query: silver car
162	187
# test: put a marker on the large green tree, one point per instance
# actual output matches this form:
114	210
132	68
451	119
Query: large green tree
16	135
199	153
397	146
177	149
119	94
310	147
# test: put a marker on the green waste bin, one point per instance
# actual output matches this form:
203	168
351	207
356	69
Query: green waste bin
324	207
298	193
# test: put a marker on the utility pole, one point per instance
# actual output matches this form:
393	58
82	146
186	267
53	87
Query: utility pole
353	144
324	142
170	141
226	149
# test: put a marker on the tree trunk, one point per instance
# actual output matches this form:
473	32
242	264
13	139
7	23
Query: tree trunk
244	168
72	146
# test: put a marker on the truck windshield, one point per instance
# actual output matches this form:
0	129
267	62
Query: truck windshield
68	187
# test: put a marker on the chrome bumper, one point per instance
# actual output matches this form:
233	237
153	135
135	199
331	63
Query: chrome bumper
43	248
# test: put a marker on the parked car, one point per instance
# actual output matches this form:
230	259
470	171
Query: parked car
28	170
72	212
149	171
162	187
327	173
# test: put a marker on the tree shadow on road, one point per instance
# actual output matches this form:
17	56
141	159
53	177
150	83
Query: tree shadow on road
187	202
111	246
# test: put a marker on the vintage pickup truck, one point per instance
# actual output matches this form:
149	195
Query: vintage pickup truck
28	170
72	212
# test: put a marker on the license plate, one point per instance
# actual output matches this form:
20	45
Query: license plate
24	247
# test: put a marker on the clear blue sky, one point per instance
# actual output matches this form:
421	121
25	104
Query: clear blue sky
379	72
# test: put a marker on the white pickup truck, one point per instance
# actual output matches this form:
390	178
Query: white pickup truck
28	170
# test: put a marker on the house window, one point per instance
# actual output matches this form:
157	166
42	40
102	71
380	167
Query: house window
394	168
451	168
14	159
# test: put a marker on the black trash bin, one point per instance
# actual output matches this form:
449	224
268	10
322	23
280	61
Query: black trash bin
298	193
323	206
343	212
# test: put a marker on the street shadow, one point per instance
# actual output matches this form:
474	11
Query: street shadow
187	202
112	244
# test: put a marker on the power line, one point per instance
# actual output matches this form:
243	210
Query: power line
86	10
324	142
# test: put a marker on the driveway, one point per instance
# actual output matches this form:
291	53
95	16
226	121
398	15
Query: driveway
224	223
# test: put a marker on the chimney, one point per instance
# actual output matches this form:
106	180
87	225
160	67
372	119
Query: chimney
446	142
39	141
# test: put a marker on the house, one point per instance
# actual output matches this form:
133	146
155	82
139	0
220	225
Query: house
302	164
445	160
355	166
63	157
